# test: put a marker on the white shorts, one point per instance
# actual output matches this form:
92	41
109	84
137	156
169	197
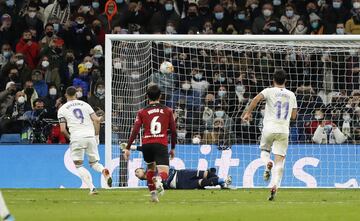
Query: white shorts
275	142
84	146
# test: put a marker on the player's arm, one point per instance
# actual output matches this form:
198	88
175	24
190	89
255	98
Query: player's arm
173	134
294	114
252	106
96	121
134	132
63	128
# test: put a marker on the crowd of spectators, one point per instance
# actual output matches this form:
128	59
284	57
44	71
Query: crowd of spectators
48	45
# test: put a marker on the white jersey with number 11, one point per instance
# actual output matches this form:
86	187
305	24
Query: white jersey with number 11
77	117
279	105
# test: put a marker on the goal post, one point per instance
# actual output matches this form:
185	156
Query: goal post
214	79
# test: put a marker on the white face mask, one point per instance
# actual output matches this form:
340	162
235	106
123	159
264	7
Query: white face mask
267	12
276	2
52	91
346	117
32	14
300	27
44	1
340	31
318	117
181	135
196	140
117	65
253	6
198	76
88	65
21	100
170	30
219	113
356	5
186	86
45	64
79	94
20	62
289	13
100	91
222	93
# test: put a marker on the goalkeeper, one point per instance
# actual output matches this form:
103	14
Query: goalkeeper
189	178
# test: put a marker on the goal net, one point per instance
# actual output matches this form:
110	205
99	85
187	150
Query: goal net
214	79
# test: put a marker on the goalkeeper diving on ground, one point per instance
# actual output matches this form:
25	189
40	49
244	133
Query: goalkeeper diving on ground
190	179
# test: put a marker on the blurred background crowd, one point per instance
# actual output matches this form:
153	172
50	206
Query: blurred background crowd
48	45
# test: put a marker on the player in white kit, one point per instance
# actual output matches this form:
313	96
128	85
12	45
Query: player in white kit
4	211
84	126
281	106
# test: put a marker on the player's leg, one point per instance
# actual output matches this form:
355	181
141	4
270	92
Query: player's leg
279	151
4	211
161	157
265	146
93	156
77	155
150	171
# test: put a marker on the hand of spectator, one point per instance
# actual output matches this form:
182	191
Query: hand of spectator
246	117
88	37
266	26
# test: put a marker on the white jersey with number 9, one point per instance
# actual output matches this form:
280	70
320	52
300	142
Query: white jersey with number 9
76	114
279	105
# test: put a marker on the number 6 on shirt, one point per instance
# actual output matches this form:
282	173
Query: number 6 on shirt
155	126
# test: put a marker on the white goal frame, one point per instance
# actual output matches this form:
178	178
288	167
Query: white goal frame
109	38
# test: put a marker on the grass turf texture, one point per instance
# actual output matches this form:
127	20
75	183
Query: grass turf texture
184	205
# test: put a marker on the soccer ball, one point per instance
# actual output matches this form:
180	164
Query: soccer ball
166	68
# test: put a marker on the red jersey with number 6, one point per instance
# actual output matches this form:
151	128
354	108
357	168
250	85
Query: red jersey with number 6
156	120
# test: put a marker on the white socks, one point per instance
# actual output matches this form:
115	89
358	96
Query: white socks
278	171
98	167
265	157
86	176
4	211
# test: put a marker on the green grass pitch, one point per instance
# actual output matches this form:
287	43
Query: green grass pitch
184	205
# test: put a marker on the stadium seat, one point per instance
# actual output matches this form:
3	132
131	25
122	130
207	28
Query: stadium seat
10	138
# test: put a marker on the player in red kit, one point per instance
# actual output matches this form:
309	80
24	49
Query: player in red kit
156	120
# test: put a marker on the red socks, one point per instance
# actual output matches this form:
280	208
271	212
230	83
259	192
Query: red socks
149	178
163	176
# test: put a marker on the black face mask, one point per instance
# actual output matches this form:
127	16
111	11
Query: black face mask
97	29
27	40
69	59
58	50
38	112
192	14
29	91
49	34
210	103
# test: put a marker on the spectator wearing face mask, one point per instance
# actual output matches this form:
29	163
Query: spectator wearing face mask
30	94
290	18
87	11
5	55
316	25
18	62
352	26
82	80
191	20
161	18
80	91
263	19
328	133
8	34
242	21
191	97
333	14
59	9
340	29
220	20
317	118
29	49
10	75
36	112
301	28
80	38
7	97
50	101
98	32
253	8
97	100
39	83
49	35
31	19
17	109
68	68
51	74
220	113
198	81
111	16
